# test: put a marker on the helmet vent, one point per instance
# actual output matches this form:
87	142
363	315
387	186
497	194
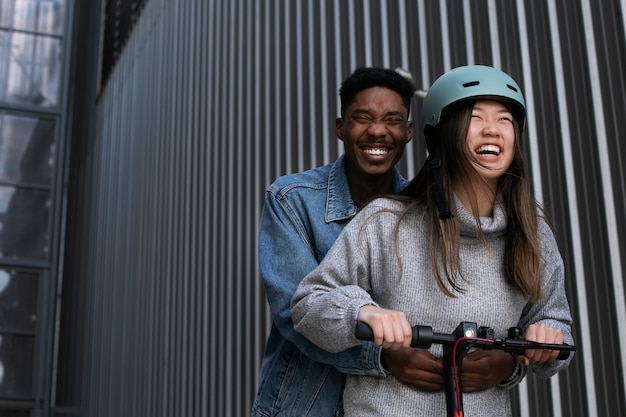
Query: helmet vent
512	88
471	84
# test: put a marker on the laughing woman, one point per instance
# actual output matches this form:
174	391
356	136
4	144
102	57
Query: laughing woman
463	242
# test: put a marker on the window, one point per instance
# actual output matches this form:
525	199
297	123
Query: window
30	51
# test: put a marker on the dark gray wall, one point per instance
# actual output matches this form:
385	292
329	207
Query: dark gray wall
163	313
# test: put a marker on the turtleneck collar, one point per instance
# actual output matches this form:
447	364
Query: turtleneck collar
492	226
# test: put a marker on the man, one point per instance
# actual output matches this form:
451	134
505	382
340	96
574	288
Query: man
302	217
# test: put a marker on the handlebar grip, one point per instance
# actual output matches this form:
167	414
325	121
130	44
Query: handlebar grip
563	354
519	346
421	336
363	331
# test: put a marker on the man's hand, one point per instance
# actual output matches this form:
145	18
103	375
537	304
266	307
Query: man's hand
415	367
484	369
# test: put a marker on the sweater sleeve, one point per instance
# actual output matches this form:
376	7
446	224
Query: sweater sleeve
326	301
282	232
553	309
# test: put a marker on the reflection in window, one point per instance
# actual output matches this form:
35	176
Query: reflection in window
26	167
18	314
16	356
41	16
24	221
29	68
26	150
18	300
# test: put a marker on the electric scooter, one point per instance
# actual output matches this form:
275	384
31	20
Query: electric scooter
458	343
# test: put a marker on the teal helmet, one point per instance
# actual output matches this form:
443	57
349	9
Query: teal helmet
472	82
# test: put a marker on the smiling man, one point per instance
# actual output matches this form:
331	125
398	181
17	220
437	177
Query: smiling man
303	215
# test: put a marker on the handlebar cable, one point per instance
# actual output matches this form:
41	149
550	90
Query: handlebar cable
457	380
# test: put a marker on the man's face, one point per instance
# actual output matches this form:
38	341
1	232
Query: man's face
374	131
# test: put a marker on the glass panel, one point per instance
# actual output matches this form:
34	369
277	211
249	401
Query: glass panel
29	68
26	150
18	300
16	365
14	413
43	16
24	223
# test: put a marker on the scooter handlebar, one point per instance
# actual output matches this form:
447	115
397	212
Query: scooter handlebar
424	337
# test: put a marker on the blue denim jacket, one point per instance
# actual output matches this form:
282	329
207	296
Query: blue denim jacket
302	217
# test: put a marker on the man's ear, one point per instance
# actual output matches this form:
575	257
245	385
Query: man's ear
339	127
409	131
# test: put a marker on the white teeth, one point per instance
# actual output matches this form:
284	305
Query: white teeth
491	149
375	151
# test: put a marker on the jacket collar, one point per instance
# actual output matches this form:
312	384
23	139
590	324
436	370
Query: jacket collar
339	204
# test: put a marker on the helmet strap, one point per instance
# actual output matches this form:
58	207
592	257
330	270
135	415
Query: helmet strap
434	159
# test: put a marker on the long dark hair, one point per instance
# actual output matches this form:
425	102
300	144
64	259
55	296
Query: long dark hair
522	256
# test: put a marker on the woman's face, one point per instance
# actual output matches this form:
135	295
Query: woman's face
491	139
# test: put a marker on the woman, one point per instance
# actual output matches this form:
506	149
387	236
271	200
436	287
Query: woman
463	242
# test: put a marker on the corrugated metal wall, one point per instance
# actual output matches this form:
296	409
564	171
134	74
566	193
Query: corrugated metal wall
163	311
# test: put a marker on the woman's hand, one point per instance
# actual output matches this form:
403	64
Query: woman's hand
542	334
391	328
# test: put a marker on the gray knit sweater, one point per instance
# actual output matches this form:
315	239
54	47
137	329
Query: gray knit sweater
362	267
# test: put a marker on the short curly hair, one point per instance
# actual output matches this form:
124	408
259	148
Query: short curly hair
364	78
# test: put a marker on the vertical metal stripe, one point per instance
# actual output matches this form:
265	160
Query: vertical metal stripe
174	205
239	187
282	44
403	19
199	363
289	105
271	79
469	32
535	167
445	37
367	32
530	102
352	44
623	14
494	35
337	23
229	131
242	163
312	137
323	76
184	235
607	184
386	46
215	299
208	307
156	310
189	178
423	46
248	222
299	90
217	236
257	184
578	257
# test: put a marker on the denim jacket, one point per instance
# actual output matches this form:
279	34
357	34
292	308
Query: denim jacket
303	215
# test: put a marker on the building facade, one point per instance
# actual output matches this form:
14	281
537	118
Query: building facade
138	138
